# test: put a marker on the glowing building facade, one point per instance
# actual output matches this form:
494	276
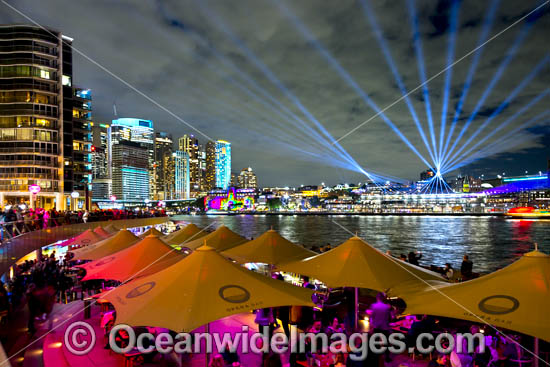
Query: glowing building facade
181	175
247	179
218	164
130	171
190	145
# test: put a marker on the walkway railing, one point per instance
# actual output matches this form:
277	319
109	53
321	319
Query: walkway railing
19	243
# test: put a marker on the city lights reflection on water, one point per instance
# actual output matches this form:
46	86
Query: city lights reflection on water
491	242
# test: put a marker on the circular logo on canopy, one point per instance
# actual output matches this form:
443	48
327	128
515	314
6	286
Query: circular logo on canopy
234	294
498	304
105	261
141	290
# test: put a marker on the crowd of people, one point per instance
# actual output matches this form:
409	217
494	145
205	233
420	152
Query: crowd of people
39	284
16	220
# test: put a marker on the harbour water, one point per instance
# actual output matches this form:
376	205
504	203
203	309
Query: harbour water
491	242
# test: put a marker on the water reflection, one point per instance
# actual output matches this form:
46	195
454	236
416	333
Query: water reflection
491	242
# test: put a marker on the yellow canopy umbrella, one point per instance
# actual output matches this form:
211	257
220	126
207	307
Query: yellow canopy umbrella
190	231
111	228
516	297
84	239
151	231
221	239
357	264
269	248
148	256
199	289
117	242
102	232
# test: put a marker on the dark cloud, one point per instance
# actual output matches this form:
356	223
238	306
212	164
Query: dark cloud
176	53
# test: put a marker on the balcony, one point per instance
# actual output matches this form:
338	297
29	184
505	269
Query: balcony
27	163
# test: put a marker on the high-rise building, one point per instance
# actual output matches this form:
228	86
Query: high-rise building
247	179
190	145
41	143
130	171
218	164
181	175
78	157
101	162
163	148
140	132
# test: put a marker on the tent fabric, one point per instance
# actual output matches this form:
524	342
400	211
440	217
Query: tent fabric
102	232
357	264
111	228
151	231
148	256
516	297
199	289
189	232
269	248
86	238
117	242
221	239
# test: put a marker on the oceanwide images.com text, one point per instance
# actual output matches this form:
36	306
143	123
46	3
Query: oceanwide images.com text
79	339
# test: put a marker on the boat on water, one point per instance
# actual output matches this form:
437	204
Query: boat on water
528	212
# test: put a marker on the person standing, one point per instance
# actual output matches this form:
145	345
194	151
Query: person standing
466	268
380	314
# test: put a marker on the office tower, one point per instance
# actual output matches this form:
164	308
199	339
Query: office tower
101	162
78	157
202	168
218	164
247	179
163	148
130	171
36	120
140	132
210	166
181	175
190	145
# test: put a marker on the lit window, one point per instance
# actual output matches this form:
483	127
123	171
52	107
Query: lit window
44	74
66	80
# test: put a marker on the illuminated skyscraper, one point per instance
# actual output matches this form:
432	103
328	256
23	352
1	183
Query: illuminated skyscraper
247	179
137	131
190	145
101	163
181	175
130	171
218	164
163	148
44	121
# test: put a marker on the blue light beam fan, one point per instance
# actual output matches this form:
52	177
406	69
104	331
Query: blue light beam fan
411	6
369	13
503	105
317	126
346	76
496	77
487	24
448	74
518	113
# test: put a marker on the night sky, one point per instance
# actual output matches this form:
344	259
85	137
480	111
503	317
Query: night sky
282	80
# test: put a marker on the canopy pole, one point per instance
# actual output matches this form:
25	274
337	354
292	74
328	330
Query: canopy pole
207	331
536	352
356	307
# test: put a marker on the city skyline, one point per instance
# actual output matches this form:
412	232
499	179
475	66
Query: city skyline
338	108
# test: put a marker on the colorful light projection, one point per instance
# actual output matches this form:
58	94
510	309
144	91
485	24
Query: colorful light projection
234	200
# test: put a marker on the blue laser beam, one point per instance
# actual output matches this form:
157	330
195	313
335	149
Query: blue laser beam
454	15
496	77
503	105
222	26
518	113
411	6
346	76
487	24
499	144
369	13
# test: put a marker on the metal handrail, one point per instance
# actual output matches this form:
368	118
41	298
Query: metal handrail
13	229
